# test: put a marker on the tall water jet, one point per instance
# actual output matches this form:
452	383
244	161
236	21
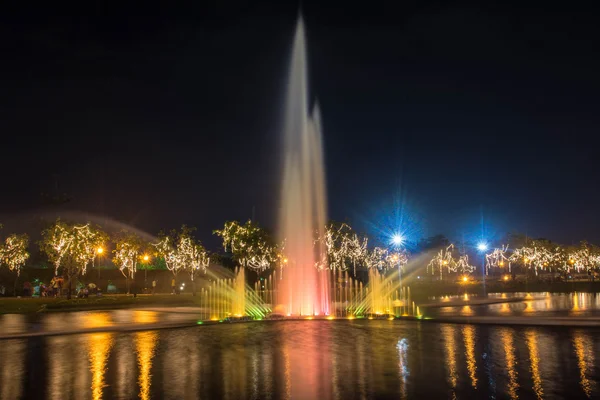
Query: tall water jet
303	290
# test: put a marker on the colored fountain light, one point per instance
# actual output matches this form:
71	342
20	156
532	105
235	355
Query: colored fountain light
303	290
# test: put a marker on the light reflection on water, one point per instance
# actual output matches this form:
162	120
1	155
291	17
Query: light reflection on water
12	368
306	360
534	305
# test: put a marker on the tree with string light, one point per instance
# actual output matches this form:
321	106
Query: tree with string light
443	260
128	250
72	248
249	244
13	253
193	256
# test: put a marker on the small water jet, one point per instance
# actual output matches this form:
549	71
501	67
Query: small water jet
232	298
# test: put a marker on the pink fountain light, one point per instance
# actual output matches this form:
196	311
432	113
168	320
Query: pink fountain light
304	286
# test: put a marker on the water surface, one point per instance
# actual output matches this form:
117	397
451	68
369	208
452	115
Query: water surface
356	359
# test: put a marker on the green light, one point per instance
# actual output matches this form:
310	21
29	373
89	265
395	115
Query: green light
220	320
199	322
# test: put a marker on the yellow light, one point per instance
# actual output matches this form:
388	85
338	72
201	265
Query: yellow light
146	258
571	261
309	318
445	262
100	250
526	259
501	263
351	317
505	277
285	260
330	317
465	279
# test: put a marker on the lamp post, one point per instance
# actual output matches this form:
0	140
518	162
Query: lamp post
99	252
482	247
145	258
397	241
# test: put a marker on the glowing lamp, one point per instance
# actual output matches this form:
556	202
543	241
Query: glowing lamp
397	239
465	279
482	246
100	250
146	258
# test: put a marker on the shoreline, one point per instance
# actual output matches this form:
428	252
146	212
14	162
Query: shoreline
554	322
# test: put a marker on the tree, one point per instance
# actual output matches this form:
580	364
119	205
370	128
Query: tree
182	252
128	250
166	249
383	259
72	248
584	257
249	244
193	255
14	252
443	260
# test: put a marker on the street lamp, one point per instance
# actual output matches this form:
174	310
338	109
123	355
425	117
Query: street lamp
99	251
397	241
482	247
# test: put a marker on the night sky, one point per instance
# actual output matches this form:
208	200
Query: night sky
436	116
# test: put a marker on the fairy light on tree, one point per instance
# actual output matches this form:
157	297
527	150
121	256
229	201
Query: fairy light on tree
462	265
357	250
442	260
378	258
535	255
585	257
14	252
128	249
497	259
192	255
344	248
72	248
250	245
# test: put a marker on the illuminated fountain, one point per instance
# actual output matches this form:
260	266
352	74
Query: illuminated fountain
232	298
304	288
382	296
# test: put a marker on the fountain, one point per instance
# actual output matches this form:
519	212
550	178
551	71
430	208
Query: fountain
304	289
232	299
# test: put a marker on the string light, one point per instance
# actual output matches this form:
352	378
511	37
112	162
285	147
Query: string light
14	252
249	244
443	260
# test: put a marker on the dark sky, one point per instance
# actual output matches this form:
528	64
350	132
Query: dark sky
435	114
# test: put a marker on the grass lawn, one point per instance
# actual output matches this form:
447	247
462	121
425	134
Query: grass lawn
10	305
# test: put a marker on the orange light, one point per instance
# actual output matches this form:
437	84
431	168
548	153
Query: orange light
465	279
100	250
285	260
501	263
505	277
146	258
